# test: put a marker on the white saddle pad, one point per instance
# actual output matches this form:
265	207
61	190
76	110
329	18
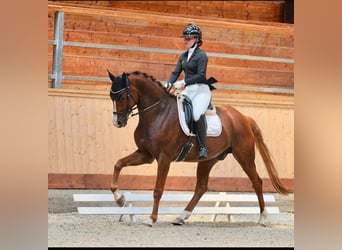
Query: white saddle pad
214	125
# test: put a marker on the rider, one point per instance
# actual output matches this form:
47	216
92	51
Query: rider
194	64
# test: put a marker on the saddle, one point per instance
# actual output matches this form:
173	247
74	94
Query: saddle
185	109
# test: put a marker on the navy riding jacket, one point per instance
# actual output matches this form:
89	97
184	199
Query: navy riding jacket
195	69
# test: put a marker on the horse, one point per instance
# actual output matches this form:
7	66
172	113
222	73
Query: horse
158	136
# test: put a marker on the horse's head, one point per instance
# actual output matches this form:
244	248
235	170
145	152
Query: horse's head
120	93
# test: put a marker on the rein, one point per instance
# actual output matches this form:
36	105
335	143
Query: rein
144	109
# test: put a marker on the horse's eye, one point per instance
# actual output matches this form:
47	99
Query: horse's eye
123	98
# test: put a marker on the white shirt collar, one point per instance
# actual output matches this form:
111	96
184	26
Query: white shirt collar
191	51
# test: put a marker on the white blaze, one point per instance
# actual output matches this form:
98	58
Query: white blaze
115	117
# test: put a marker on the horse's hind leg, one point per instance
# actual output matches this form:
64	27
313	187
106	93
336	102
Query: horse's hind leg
203	170
246	158
136	158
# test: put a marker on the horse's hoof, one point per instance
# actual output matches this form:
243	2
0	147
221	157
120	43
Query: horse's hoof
148	223
178	221
261	224
121	201
262	219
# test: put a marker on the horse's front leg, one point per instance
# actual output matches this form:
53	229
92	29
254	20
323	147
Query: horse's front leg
162	172
136	158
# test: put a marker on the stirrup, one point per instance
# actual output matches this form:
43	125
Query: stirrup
202	153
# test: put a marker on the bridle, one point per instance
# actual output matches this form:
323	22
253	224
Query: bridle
129	109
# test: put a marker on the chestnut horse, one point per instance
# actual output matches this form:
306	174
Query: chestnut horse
159	137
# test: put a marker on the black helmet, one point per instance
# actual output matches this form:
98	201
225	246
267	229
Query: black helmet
192	30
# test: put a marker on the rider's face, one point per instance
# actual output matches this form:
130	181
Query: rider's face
189	42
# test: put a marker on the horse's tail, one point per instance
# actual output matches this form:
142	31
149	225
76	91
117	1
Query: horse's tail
266	156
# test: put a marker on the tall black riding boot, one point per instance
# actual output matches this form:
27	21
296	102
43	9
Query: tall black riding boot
201	131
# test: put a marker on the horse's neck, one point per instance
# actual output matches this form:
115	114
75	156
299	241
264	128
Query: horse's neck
155	104
162	115
149	94
153	100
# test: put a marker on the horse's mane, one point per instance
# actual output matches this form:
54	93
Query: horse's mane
145	75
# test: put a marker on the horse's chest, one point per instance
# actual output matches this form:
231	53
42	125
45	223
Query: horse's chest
154	133
143	139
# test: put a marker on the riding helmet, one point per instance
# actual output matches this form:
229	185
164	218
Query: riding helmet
192	30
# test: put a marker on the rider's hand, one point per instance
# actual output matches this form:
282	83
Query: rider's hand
179	84
174	91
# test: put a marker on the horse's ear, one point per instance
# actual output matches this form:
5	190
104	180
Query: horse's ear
111	76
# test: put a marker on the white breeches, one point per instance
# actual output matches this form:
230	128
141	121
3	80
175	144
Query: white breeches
200	96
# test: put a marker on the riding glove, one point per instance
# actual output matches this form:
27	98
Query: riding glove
179	84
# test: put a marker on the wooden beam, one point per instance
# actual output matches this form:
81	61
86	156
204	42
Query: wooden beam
173	183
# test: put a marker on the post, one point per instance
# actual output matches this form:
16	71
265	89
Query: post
58	50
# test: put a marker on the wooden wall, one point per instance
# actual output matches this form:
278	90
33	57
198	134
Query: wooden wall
263	42
265	11
83	144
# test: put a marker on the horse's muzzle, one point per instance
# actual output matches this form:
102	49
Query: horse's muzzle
120	123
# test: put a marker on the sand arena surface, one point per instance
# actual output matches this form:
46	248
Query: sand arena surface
67	228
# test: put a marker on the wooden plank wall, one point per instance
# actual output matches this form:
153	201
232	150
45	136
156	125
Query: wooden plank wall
265	11
83	144
125	28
